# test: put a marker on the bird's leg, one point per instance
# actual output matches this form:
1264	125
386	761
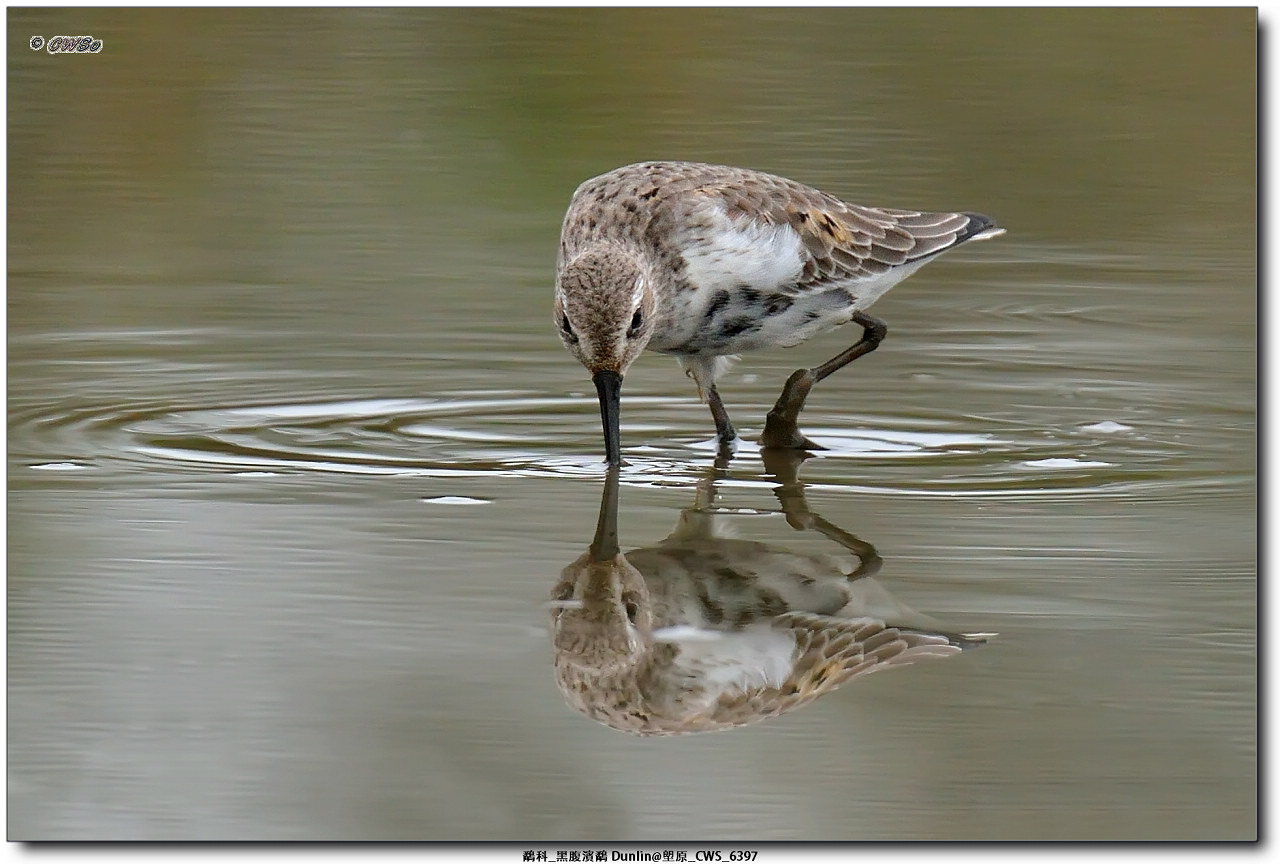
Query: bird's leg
780	429
702	369
724	428
869	560
784	466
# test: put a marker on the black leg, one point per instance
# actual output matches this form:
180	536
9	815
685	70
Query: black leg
724	428
780	429
784	465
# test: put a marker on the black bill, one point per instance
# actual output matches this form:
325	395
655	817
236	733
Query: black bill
604	546
609	386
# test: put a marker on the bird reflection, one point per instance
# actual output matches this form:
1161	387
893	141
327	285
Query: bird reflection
704	632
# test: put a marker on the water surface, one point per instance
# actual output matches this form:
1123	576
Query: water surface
296	459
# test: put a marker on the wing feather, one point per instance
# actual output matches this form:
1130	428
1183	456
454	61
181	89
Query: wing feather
829	652
678	211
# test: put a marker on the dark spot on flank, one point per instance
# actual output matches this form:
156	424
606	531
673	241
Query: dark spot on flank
802	217
718	302
737	326
771	602
710	609
828	225
749	295
812	315
630	206
650	194
778	304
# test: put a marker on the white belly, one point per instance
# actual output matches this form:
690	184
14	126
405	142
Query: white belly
743	289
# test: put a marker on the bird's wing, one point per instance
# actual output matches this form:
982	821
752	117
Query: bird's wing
735	227
830	651
842	243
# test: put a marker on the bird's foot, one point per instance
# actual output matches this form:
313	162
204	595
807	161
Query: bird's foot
726	448
784	464
782	432
780	429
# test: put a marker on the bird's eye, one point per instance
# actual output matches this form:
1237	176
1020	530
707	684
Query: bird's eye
636	320
566	329
633	612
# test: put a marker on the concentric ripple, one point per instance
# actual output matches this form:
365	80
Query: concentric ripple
519	433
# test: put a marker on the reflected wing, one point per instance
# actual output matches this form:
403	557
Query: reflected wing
830	652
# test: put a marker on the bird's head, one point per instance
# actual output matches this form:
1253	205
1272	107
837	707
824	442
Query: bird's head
600	609
601	615
604	312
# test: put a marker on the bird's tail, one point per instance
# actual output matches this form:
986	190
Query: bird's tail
980	227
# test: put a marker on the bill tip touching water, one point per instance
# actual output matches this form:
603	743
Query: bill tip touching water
704	262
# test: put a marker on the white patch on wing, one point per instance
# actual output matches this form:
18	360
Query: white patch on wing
758	656
721	252
686	633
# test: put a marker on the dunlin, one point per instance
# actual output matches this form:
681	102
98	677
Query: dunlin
705	632
707	261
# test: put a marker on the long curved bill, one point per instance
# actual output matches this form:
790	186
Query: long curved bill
609	387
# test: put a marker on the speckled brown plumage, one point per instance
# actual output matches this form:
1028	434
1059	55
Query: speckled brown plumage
702	632
652	204
708	261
